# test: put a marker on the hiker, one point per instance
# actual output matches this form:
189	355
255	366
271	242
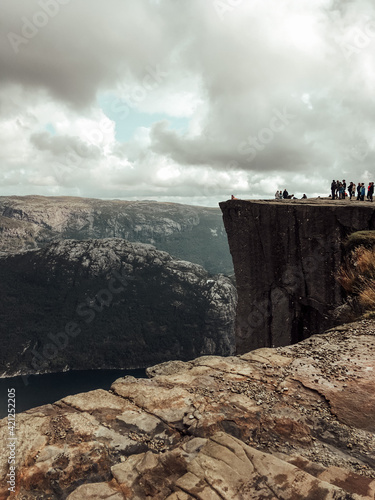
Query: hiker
285	194
350	190
371	191
304	197
277	195
363	191
358	191
333	189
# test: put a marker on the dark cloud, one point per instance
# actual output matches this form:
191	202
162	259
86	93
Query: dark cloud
63	146
82	48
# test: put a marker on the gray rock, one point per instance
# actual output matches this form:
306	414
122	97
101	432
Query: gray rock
192	233
109	304
286	255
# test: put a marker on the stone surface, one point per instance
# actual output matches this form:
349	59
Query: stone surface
188	232
286	255
109	304
284	423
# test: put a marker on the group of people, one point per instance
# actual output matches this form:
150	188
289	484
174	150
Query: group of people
338	190
280	195
284	195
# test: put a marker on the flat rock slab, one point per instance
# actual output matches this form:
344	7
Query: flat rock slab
291	422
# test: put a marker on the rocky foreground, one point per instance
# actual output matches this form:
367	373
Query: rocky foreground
292	422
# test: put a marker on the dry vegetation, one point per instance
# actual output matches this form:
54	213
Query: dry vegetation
357	274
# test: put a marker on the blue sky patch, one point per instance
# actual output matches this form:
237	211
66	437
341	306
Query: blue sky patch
128	119
50	128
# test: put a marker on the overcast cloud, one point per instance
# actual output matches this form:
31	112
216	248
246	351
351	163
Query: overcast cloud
185	100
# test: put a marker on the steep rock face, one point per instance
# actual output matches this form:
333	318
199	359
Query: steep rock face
109	304
286	255
287	423
191	233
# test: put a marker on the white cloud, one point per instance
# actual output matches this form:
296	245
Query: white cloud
232	73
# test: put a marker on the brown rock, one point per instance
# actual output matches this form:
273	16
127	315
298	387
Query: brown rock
288	423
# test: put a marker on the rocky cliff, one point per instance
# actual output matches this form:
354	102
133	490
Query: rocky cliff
109	304
191	233
286	255
287	423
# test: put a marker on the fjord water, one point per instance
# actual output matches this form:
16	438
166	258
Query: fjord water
50	387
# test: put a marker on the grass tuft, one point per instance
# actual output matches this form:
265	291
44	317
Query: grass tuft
357	274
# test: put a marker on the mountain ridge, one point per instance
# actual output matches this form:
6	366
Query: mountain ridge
189	232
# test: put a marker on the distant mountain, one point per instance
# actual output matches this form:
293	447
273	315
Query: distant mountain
107	303
191	233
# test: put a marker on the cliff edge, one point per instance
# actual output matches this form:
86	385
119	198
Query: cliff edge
286	255
288	423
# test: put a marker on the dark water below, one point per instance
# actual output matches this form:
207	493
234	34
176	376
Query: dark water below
50	387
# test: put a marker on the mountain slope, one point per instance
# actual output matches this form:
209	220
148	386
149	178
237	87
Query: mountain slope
109	304
191	233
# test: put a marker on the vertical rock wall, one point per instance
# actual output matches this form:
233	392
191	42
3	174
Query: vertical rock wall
286	255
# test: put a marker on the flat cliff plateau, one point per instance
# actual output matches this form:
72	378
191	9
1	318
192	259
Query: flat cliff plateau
286	255
109	303
191	233
288	423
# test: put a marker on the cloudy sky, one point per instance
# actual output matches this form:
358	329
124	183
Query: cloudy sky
187	101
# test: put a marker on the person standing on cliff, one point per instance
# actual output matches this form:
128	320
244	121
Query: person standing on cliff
285	194
358	191
333	189
371	191
368	190
350	187
363	191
